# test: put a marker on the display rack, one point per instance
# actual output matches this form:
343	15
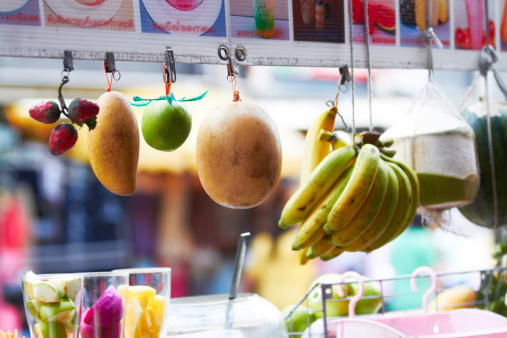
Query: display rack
481	323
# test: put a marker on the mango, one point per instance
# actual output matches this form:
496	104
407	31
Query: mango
113	146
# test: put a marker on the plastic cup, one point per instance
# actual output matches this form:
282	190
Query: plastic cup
264	12
185	5
53	304
103	304
148	297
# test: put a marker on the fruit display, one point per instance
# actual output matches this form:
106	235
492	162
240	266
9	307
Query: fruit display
144	311
52	305
64	136
356	199
113	146
238	155
104	318
482	210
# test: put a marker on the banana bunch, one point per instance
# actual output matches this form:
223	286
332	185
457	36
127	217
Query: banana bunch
356	199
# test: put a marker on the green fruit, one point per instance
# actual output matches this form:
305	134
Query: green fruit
52	329
334	308
300	319
164	127
368	306
481	210
48	310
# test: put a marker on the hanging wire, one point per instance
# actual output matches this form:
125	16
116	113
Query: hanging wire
367	36
490	134
352	68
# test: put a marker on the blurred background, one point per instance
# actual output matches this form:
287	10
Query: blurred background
55	216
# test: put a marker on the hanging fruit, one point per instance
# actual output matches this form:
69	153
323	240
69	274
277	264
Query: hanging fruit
482	210
113	146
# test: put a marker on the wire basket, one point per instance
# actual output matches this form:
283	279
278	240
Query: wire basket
490	288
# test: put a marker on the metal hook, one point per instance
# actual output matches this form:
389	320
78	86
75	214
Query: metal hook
110	63
65	80
170	65
224	55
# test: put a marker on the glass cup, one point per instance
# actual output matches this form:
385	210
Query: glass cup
264	13
185	5
103	304
148	296
53	304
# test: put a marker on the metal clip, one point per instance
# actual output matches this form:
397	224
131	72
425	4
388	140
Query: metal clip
345	78
68	61
223	54
170	65
110	63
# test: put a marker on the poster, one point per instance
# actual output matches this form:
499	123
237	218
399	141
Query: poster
20	12
262	19
183	17
502	25
318	20
415	17
470	24
116	15
382	21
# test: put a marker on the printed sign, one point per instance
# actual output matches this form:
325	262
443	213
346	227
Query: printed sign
270	32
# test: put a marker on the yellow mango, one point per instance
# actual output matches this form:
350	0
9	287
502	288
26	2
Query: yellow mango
113	146
156	311
133	318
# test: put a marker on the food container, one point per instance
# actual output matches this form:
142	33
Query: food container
440	146
248	315
103	305
53	304
148	294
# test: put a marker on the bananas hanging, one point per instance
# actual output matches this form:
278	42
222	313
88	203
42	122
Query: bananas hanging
356	198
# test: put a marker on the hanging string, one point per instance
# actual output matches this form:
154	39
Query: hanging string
352	68
167	81
488	123
367	35
109	81
235	93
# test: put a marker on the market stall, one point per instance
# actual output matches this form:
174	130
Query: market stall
347	178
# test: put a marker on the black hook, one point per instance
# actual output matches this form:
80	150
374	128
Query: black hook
170	65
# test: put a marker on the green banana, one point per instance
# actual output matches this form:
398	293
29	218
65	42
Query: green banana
320	248
314	223
337	251
402	212
316	186
356	191
414	182
383	218
303	259
368	211
315	150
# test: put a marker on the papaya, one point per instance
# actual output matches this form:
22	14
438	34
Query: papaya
481	210
238	155
113	146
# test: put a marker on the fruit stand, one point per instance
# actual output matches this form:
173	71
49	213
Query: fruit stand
358	189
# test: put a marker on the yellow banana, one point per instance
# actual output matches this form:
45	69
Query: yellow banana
414	183
320	248
337	251
303	259
316	186
402	212
356	190
368	211
316	150
314	223
383	218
